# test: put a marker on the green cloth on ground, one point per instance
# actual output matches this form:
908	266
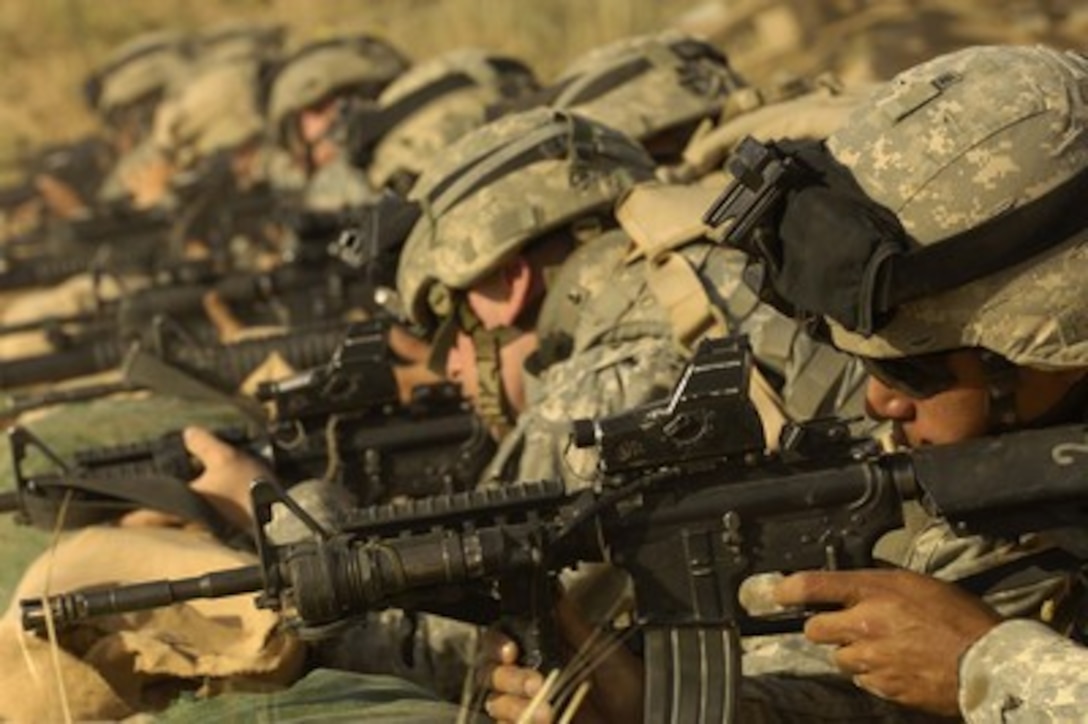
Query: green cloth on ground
323	695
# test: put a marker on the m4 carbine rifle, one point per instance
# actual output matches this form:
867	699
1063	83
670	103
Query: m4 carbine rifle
120	238
342	421
689	504
117	240
313	283
224	366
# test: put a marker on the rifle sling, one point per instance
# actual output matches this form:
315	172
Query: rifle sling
111	496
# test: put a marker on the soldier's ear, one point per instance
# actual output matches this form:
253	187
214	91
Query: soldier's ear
499	300
519	279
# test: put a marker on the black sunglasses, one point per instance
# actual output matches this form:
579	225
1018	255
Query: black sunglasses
920	376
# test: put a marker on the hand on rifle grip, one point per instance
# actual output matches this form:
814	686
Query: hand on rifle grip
513	687
224	482
616	679
901	634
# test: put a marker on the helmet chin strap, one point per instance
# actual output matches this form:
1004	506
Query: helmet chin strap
1001	376
492	402
1001	384
1071	408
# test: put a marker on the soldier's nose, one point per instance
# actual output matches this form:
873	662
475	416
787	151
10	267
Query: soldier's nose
453	366
886	403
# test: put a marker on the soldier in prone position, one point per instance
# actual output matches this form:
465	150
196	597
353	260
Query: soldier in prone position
956	188
546	308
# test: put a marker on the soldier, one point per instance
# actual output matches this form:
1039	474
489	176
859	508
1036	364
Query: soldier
429	107
125	92
613	334
71	178
979	156
215	112
981	341
657	89
311	98
215	116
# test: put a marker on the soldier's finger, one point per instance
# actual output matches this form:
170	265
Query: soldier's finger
842	587
496	647
853	659
407	346
870	683
149	519
516	680
204	445
511	709
836	627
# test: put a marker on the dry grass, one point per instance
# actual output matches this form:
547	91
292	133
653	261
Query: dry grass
47	46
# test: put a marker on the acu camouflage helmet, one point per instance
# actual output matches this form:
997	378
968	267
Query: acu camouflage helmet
990	140
431	106
648	85
140	72
244	41
217	111
500	188
360	65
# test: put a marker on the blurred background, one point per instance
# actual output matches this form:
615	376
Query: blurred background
48	47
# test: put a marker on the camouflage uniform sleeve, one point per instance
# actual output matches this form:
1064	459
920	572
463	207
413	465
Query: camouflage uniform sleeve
1022	671
787	673
596	382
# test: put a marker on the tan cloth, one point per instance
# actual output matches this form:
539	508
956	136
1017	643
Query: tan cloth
28	668
118	665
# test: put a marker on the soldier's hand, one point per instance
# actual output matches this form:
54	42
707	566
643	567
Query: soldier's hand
224	482
901	634
513	686
60	197
616	680
149	182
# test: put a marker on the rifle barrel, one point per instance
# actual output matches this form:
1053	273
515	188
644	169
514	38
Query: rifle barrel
43	271
42	323
95	356
71	608
25	403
